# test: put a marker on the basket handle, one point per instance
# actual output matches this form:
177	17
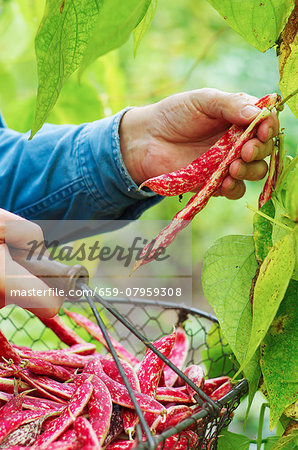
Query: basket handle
54	273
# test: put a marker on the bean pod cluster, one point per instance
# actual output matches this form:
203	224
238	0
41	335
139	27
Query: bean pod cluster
75	398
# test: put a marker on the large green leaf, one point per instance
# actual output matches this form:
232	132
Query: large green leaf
271	285
232	441
228	269
143	26
116	21
59	45
259	22
279	356
288	61
263	231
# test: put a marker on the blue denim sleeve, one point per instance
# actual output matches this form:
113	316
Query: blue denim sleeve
69	172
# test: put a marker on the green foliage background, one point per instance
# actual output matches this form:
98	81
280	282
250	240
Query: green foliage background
187	46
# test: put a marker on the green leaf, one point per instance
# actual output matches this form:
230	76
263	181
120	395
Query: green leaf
143	26
292	195
216	357
263	231
60	45
247	17
288	61
116	21
232	441
228	269
289	441
279	356
272	440
273	279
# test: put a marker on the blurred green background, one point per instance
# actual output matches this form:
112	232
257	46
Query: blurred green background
188	46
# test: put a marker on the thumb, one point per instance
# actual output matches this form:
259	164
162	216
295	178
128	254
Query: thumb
234	108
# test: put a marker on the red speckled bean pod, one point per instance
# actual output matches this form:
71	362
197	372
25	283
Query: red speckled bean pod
172	394
42	367
149	374
11	423
96	333
175	414
194	174
110	368
34	403
57	357
46	385
214	383
13	406
74	408
82	349
64	332
86	434
121	444
7	351
100	406
221	391
119	393
183	441
196	375
7	385
199	200
177	356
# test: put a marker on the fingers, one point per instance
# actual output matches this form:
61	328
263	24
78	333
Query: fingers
255	150
252	171
231	188
18	286
234	108
268	128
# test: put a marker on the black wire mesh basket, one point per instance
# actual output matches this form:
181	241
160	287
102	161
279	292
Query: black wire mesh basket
153	319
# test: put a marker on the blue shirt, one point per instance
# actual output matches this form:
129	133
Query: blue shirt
69	172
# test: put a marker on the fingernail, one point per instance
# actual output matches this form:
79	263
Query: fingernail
249	111
232	184
270	133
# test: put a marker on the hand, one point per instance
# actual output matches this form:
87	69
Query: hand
17	232
168	135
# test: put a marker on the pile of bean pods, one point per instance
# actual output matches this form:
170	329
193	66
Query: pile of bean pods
74	398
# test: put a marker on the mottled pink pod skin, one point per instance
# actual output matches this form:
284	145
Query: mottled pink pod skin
186	440
177	356
121	444
194	174
7	351
100	406
74	408
149	374
214	383
211	184
196	375
96	333
175	414
270	182
7	385
221	391
86	434
82	349
69	437
45	384
34	403
13	406
57	357
172	394
119	393
64	332
34	381
110	368
42	367
10	423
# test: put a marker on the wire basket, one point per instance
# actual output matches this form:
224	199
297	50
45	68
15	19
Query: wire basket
154	319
